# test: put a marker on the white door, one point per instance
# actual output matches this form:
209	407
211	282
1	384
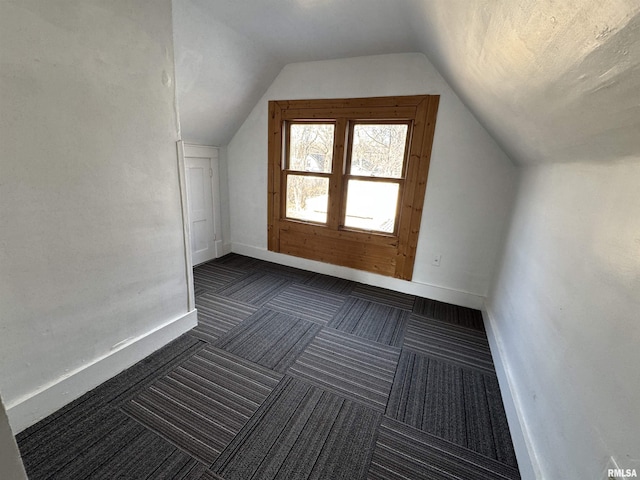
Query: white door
201	165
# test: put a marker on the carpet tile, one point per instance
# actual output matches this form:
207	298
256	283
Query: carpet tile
403	452
302	432
457	404
271	339
79	426
209	475
350	366
179	466
284	271
238	262
308	303
136	459
124	449
466	317
373	321
384	296
79	440
255	289
464	346
201	405
217	315
210	277
331	284
292	375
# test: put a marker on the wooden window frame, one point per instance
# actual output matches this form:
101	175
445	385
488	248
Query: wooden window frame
391	254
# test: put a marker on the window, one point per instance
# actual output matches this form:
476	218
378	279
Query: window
347	179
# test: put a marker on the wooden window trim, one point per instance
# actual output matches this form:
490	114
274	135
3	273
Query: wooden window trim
379	252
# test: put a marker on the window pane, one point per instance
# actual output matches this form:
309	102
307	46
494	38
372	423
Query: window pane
307	198
311	147
378	150
371	205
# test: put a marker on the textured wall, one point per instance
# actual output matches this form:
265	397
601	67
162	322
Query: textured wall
91	228
565	307
220	74
552	81
11	467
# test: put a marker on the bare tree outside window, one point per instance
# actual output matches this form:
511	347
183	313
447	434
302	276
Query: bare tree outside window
311	147
307	198
310	150
378	150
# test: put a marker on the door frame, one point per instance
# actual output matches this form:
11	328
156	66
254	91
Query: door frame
208	152
199	151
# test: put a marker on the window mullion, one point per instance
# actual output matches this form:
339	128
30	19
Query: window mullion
348	129
335	182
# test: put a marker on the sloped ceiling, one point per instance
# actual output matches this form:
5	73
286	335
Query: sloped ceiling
551	81
228	52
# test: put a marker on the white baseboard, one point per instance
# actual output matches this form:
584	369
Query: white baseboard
456	297
520	435
218	248
33	407
225	248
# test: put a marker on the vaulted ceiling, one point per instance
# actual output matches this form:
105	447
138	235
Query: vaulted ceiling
551	81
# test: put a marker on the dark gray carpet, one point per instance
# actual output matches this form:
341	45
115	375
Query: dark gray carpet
82	431
466	317
331	284
302	431
308	303
213	276
239	262
139	454
294	375
384	296
209	475
290	273
456	404
217	315
135	451
403	452
268	338
350	366
203	404
255	289
373	321
465	346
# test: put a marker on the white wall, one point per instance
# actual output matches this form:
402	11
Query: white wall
220	74
224	200
565	310
92	253
470	180
11	467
